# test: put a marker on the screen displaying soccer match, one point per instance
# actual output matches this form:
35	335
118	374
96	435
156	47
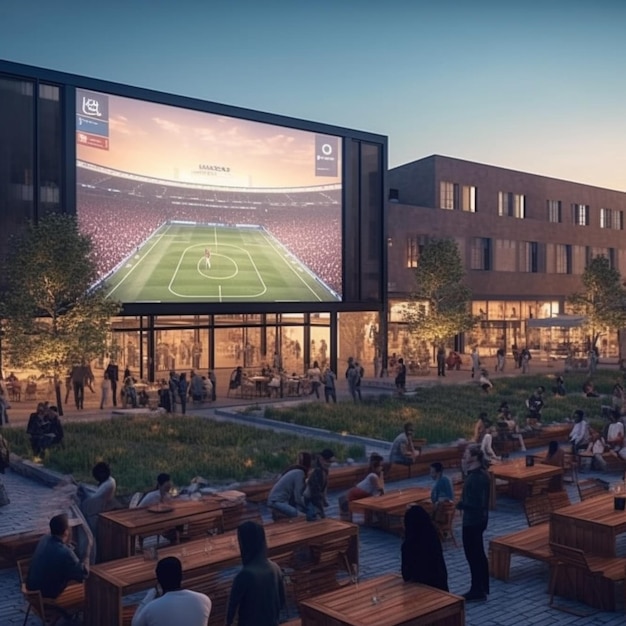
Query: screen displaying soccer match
189	206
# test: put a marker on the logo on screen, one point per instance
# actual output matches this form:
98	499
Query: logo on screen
326	155
91	107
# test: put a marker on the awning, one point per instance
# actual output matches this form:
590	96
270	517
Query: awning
557	321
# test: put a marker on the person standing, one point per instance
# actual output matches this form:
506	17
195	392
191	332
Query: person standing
329	385
421	552
475	362
183	389
175	605
315	376
525	357
105	389
354	381
401	377
258	593
500	356
441	361
474	505
114	375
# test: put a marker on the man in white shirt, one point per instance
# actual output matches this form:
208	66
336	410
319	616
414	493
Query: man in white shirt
579	435
175	605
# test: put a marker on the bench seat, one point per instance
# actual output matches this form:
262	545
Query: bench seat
532	543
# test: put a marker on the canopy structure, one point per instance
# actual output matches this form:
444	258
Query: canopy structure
557	321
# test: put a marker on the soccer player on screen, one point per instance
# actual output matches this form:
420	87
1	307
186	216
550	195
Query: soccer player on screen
207	258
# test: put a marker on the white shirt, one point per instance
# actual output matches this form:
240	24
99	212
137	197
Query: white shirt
580	432
615	430
486	448
184	607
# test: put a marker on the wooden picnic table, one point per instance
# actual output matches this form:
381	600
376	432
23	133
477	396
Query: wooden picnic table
520	476
380	511
118	529
108	583
384	600
591	525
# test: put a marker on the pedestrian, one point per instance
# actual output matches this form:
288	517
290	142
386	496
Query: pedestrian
114	374
401	377
500	358
330	390
475	362
105	389
525	357
474	504
183	389
441	361
354	381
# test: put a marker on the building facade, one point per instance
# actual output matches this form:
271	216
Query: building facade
525	241
230	237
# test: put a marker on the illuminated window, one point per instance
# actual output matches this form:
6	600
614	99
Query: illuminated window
469	198
580	214
414	247
512	204
613	219
446	195
554	211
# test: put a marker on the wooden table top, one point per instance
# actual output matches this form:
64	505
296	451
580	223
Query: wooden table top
219	551
139	517
517	470
383	600
391	500
599	511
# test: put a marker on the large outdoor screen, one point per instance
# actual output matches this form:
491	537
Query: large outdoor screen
188	206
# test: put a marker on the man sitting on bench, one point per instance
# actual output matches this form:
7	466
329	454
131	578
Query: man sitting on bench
403	451
54	563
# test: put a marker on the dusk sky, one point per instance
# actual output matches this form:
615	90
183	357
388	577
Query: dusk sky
537	86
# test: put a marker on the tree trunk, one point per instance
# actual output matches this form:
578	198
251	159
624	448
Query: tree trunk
59	395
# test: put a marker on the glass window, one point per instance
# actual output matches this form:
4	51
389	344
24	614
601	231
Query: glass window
469	198
554	211
480	253
414	247
610	218
446	195
580	214
50	148
511	204
563	259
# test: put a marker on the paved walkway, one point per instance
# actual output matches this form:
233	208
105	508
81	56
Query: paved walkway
522	601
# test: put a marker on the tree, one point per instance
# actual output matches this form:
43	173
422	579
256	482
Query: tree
440	305
602	299
54	314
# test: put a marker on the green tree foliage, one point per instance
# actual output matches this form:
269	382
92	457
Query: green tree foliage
440	305
54	316
602	299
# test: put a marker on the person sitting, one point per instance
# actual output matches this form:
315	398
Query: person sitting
258	593
165	396
95	502
421	553
594	451
160	494
615	432
54	427
588	390
372	485
287	495
535	406
207	389
555	455
509	428
617	397
403	451
579	435
454	360
37	430
235	379
54	563
442	490
486	446
484	382
175	604
559	387
143	398
316	490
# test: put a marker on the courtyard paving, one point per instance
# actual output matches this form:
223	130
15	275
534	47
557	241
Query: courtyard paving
522	601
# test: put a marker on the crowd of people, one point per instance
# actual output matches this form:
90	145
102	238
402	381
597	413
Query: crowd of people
121	221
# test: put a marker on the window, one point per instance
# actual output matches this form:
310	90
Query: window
554	211
469	198
563	259
613	219
454	197
530	261
512	204
446	195
480	253
580	214
414	247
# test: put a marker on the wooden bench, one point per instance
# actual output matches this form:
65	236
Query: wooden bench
18	546
532	543
589	579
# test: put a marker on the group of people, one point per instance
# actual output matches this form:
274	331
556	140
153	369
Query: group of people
44	428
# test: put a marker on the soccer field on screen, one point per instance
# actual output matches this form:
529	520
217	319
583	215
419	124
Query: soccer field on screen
214	263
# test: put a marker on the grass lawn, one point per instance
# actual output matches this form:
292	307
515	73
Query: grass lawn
139	448
445	413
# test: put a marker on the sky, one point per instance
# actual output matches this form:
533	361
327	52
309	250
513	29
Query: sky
536	85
